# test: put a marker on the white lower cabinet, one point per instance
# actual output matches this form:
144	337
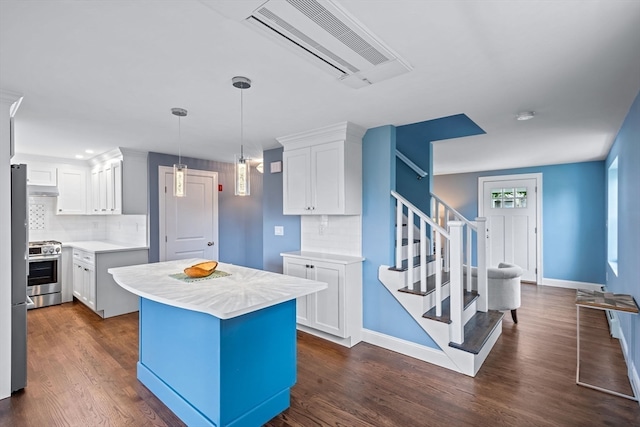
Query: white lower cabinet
337	310
94	286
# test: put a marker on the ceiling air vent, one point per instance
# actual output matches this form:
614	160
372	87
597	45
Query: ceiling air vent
324	31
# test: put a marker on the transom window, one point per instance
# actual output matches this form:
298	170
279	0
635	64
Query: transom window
508	198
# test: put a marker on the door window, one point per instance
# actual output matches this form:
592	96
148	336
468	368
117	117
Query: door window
508	198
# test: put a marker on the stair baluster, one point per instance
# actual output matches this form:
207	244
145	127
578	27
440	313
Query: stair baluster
399	235
423	256
456	326
483	250
410	245
438	239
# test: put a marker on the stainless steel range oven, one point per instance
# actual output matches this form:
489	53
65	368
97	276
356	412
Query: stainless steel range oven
44	284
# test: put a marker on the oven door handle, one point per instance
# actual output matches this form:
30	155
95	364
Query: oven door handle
30	303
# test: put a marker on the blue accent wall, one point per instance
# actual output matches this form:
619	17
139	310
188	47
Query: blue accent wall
573	215
239	218
414	141
272	216
381	311
626	148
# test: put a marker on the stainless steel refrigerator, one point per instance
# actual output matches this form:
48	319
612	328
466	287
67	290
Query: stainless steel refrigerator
19	271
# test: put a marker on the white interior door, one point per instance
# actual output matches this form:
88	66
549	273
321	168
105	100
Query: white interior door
510	204
188	225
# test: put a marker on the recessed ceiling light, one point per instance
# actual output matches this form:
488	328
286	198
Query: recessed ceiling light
88	151
79	156
525	115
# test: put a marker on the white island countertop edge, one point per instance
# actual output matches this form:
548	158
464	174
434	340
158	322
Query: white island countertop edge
244	291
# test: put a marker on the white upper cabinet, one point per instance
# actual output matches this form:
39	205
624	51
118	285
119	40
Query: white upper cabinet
106	188
72	185
42	174
323	171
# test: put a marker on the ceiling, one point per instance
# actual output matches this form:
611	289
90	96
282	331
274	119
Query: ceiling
102	74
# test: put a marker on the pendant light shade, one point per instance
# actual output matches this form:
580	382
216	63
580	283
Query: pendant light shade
242	168
179	170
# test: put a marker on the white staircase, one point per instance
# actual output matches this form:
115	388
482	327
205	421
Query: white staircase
429	281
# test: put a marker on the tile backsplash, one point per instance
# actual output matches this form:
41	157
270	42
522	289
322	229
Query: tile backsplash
44	224
336	234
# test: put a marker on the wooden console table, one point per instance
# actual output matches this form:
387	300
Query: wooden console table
602	301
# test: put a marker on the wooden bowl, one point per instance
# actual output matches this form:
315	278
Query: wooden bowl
202	269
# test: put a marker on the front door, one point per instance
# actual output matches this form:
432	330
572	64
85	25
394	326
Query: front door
188	225
510	204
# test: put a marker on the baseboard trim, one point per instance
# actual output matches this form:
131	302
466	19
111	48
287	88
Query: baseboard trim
347	342
570	284
408	348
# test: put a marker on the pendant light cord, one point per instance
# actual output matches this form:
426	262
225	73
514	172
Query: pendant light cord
179	140
241	125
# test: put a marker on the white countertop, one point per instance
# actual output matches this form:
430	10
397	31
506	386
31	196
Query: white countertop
320	256
98	246
244	291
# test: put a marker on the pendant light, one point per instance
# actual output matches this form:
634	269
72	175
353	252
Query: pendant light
242	172
179	170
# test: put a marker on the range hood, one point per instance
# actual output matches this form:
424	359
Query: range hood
42	191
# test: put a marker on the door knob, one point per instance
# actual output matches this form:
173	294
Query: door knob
209	243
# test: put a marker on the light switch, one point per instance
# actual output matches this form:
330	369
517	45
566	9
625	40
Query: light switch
278	230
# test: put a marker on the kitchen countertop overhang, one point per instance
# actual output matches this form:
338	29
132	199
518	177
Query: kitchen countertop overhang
244	291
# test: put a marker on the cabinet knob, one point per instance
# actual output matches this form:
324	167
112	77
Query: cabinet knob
209	243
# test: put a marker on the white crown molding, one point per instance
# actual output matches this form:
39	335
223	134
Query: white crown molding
343	131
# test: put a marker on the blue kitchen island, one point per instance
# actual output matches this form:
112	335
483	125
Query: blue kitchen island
219	351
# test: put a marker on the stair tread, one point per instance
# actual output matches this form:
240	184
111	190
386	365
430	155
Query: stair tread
416	263
405	241
468	298
477	331
431	285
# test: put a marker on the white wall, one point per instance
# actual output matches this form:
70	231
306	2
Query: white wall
6	99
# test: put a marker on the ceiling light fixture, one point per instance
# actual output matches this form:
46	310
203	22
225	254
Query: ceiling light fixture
242	172
179	170
525	115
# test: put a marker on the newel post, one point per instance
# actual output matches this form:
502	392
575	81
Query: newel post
456	327
482	244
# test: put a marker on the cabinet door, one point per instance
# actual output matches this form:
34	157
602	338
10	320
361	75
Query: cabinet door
95	191
327	178
41	174
328	305
299	268
108	188
116	171
296	182
89	279
72	185
78	281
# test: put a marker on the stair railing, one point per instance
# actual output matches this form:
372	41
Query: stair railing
444	214
437	234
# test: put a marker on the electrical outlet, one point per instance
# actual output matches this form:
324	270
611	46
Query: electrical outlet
278	230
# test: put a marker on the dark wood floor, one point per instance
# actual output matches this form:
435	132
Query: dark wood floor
82	373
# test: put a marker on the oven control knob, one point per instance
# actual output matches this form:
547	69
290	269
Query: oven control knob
57	250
